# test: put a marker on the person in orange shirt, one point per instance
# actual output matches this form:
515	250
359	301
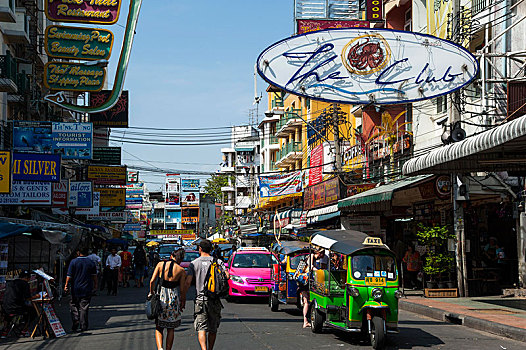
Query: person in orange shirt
126	258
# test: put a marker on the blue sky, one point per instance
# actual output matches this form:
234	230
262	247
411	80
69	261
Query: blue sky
191	67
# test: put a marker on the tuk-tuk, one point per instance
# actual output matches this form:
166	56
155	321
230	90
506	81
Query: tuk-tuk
358	291
284	286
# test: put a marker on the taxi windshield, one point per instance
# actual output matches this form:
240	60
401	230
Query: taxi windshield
373	266
254	260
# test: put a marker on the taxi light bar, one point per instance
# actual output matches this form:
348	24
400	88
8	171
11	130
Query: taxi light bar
373	241
252	249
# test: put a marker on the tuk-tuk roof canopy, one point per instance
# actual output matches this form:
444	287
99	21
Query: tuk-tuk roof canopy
289	247
342	241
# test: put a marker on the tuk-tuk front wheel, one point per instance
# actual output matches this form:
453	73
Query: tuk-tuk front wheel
316	319
274	303
377	333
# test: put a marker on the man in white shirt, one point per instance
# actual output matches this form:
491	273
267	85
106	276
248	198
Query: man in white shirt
113	263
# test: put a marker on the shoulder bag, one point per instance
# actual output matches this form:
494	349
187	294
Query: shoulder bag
153	304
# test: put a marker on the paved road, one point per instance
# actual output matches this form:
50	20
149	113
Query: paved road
119	323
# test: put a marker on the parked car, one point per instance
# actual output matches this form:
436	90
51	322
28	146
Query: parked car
166	249
249	269
189	256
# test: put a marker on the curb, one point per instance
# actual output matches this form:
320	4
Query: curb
467	321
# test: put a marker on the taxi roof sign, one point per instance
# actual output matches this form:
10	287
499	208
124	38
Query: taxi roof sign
373	241
252	249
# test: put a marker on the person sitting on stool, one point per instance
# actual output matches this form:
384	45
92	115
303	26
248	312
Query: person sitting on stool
17	301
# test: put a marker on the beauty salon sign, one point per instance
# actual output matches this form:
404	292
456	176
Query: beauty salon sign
362	65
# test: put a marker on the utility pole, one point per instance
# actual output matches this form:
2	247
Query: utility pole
337	146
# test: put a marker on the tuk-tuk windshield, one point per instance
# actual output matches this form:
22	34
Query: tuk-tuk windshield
295	260
373	266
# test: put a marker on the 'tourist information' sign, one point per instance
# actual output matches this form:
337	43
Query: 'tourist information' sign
83	11
362	65
67	76
78	43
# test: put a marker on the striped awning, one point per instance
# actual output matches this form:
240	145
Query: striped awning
322	211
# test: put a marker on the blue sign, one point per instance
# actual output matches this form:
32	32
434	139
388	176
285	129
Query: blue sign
133	200
71	140
36	167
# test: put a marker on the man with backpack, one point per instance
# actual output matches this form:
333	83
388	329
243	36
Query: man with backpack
210	279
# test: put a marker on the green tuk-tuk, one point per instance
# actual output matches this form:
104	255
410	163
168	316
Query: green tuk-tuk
358	290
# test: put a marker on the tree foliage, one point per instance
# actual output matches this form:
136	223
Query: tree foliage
213	186
438	259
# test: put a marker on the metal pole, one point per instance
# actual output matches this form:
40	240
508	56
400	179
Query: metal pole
338	154
458	217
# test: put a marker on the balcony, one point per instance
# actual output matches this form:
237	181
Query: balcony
271	142
17	32
227	189
8	76
288	123
22	84
7	11
278	103
227	169
289	153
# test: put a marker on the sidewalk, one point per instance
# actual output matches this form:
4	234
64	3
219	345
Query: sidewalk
502	316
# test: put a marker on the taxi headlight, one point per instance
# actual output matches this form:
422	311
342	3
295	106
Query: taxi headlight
354	292
398	294
377	294
236	279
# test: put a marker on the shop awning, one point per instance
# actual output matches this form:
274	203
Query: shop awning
493	150
322	211
381	193
244	149
8	229
328	216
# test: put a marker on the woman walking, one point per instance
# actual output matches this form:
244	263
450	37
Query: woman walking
172	296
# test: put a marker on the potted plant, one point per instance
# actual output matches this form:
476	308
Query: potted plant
437	259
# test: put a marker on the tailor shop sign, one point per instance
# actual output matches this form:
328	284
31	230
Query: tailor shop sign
36	167
83	11
67	76
362	65
78	43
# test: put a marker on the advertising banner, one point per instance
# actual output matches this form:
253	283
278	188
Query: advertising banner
310	25
116	116
60	196
112	197
280	184
132	227
133	177
438	13
375	10
71	140
355	189
185	234
36	167
83	11
80	194
107	175
190	192
173	192
69	76
5	172
116	217
28	193
322	194
78	43
107	155
316	165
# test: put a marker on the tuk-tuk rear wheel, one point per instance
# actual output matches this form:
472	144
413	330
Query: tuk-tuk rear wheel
274	303
377	333
316	319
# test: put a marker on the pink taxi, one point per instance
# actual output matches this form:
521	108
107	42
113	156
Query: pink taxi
249	270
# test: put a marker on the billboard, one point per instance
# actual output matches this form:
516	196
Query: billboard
68	76
80	194
5	172
28	193
101	12
112	197
116	116
71	140
107	155
107	175
78	43
60	196
173	192
280	184
190	192
364	65
311	25
36	167
322	194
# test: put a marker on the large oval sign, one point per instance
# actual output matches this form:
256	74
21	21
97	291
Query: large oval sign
360	66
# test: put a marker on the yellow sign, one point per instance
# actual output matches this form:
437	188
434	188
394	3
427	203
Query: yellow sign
188	233
372	241
438	12
112	197
107	175
5	172
375	281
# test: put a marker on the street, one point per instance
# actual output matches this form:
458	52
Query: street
119	323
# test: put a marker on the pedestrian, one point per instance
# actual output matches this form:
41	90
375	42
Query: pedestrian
140	261
412	266
17	301
216	253
105	276
82	281
207	312
172	297
113	263
126	259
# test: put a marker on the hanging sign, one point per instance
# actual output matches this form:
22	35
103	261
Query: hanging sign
107	155
117	217
60	196
80	194
36	167
112	197
5	172
281	184
28	193
362	66
83	11
107	175
68	76
116	116
78	43
375	10
310	25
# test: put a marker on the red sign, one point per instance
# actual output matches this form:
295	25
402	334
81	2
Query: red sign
316	165
60	196
94	11
310	25
322	194
355	189
375	10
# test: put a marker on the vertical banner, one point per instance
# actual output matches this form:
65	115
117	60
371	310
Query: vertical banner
5	172
437	17
316	165
375	10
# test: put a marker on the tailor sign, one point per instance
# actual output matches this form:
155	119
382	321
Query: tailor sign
28	193
68	76
83	11
78	43
361	65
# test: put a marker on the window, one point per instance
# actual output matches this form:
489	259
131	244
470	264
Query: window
407	23
366	266
441	102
